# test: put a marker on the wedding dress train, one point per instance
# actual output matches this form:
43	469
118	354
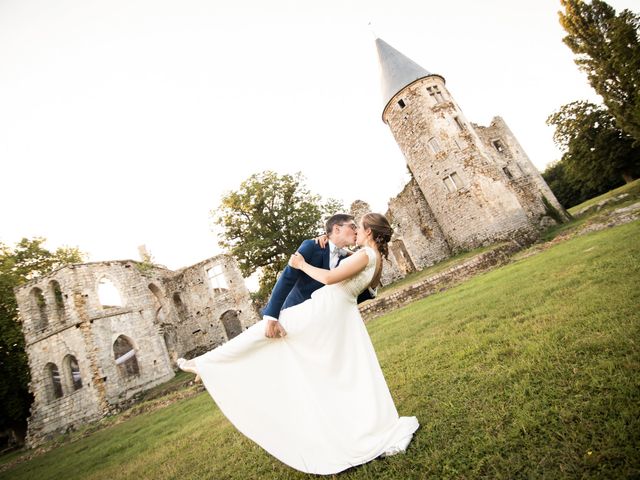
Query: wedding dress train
316	399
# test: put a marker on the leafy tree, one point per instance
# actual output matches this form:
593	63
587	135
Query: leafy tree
27	260
597	152
608	51
265	221
566	191
598	156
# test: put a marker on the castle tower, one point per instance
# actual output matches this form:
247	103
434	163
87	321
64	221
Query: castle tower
477	196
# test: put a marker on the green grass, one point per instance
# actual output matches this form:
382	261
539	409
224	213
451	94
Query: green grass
593	215
531	370
633	189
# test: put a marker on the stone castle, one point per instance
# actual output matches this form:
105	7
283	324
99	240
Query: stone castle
471	185
96	334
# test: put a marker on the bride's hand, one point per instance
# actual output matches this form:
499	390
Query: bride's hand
322	240
296	261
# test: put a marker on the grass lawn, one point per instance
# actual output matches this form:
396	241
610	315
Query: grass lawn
531	370
593	215
632	189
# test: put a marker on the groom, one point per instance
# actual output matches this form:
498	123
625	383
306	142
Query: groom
294	286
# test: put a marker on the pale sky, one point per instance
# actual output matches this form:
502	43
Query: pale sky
124	122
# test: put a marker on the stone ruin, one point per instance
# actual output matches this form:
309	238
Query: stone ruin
470	185
97	334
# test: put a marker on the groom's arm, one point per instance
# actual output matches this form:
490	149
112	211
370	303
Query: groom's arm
285	283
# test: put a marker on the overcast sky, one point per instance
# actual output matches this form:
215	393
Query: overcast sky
124	122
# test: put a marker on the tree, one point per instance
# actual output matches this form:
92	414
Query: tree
608	51
565	190
598	156
27	260
265	221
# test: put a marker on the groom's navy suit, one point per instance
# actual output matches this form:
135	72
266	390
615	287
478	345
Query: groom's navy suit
294	286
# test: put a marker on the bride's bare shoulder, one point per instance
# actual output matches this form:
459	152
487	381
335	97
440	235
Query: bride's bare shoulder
370	252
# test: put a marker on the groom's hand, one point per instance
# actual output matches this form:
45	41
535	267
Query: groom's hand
274	329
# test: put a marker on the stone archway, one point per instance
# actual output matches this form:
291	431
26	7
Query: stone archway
231	323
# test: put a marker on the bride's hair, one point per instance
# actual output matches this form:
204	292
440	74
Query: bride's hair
381	232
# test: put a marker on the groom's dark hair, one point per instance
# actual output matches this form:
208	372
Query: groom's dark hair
337	219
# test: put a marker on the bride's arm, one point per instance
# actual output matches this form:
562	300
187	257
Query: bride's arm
345	270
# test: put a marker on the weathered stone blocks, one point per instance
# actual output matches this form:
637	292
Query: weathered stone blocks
99	333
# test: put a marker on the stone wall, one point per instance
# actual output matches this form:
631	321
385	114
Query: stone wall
358	209
520	175
462	185
416	227
81	318
206	315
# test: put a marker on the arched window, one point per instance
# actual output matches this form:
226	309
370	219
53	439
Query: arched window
53	383
108	294
40	308
72	370
231	323
125	356
56	293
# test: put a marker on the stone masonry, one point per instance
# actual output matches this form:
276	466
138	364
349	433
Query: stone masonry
98	333
471	186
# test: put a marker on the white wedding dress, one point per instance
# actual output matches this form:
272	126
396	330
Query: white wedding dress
316	399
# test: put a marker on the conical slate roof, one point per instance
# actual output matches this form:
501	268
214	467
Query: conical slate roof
397	71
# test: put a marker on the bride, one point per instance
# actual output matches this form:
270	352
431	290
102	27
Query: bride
334	409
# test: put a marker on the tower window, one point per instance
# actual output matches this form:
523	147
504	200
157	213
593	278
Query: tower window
453	182
507	173
401	103
498	145
435	146
449	184
459	123
435	93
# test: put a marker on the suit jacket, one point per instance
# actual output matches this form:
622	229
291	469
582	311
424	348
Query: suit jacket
294	286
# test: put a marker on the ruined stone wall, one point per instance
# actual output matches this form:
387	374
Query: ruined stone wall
520	174
464	188
516	156
134	319
358	209
207	312
417	231
71	313
78	324
76	405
